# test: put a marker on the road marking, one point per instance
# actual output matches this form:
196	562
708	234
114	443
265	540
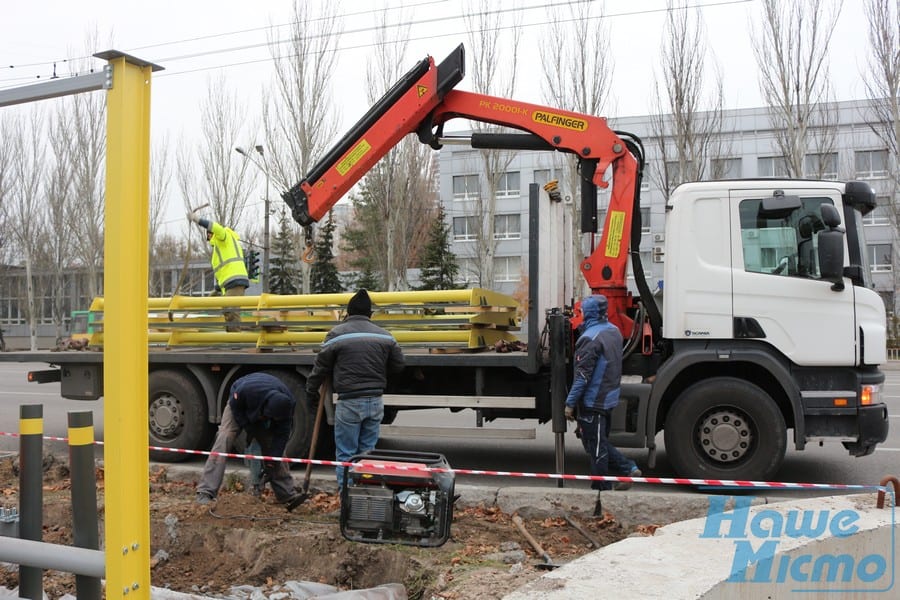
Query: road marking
56	394
887	449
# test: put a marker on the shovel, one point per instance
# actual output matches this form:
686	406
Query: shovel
300	498
548	563
571	521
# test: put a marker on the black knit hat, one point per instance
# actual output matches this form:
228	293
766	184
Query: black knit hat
360	304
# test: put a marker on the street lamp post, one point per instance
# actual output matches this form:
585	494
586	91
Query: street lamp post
265	265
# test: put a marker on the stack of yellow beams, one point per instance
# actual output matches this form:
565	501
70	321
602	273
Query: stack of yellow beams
471	318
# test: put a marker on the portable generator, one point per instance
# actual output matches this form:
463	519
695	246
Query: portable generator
389	497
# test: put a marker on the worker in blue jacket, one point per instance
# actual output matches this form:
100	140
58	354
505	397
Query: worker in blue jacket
262	406
595	393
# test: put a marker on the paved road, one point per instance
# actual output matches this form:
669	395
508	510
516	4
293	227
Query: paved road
827	464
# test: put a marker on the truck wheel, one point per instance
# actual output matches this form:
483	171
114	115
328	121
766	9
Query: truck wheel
178	416
724	428
304	421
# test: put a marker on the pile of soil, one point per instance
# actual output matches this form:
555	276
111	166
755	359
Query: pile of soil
245	540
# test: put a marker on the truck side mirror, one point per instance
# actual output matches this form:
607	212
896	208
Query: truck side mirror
831	248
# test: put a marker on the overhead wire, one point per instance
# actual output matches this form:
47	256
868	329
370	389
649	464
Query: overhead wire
229	33
407	23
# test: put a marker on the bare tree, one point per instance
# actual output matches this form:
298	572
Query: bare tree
226	179
577	66
300	118
212	173
400	190
883	78
883	89
160	182
687	127
6	181
299	115
494	65
89	123
26	198
59	211
791	49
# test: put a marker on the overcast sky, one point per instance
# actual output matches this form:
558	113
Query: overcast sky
195	40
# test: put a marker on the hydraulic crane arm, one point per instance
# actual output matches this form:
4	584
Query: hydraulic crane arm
424	100
588	137
397	114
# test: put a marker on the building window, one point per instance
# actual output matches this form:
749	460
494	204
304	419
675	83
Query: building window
771	166
871	164
821	166
881	214
880	257
465	229
468	271
508	268
466	187
508	185
725	168
541	176
674	175
507	227
645	220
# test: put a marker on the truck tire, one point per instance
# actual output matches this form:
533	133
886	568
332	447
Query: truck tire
177	415
725	428
304	421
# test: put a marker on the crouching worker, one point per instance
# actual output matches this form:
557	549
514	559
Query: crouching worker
262	406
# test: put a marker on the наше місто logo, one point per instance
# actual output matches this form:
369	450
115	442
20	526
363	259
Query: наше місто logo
758	537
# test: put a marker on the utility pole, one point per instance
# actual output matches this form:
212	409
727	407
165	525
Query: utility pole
265	273
264	168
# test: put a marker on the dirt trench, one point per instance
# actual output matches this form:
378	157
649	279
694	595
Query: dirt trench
244	540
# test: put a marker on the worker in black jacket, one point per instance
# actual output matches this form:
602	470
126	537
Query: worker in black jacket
357	355
262	406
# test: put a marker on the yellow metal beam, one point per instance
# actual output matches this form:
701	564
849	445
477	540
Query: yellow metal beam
433	318
125	425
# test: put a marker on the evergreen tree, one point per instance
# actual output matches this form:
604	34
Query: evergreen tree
284	271
323	277
357	246
365	279
439	268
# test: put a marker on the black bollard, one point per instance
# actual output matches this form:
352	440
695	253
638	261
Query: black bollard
31	494
85	529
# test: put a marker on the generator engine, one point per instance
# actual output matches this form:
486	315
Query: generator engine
389	497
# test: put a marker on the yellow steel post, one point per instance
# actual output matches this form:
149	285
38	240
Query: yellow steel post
125	423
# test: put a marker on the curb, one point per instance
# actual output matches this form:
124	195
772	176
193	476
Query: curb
655	566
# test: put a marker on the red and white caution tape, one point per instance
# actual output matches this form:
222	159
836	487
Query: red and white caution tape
735	483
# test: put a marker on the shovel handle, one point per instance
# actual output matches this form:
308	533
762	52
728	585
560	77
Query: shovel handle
313	442
520	525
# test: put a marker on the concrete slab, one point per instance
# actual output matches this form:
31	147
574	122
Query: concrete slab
853	556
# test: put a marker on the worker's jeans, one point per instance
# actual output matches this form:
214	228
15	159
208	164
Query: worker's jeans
357	423
214	470
605	458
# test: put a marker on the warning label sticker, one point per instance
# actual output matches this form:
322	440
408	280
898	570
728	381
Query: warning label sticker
614	238
353	157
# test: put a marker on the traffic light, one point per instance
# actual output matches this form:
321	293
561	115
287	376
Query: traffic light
251	261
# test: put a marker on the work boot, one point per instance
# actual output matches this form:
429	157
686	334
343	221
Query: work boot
598	506
256	490
621	486
295	501
203	498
